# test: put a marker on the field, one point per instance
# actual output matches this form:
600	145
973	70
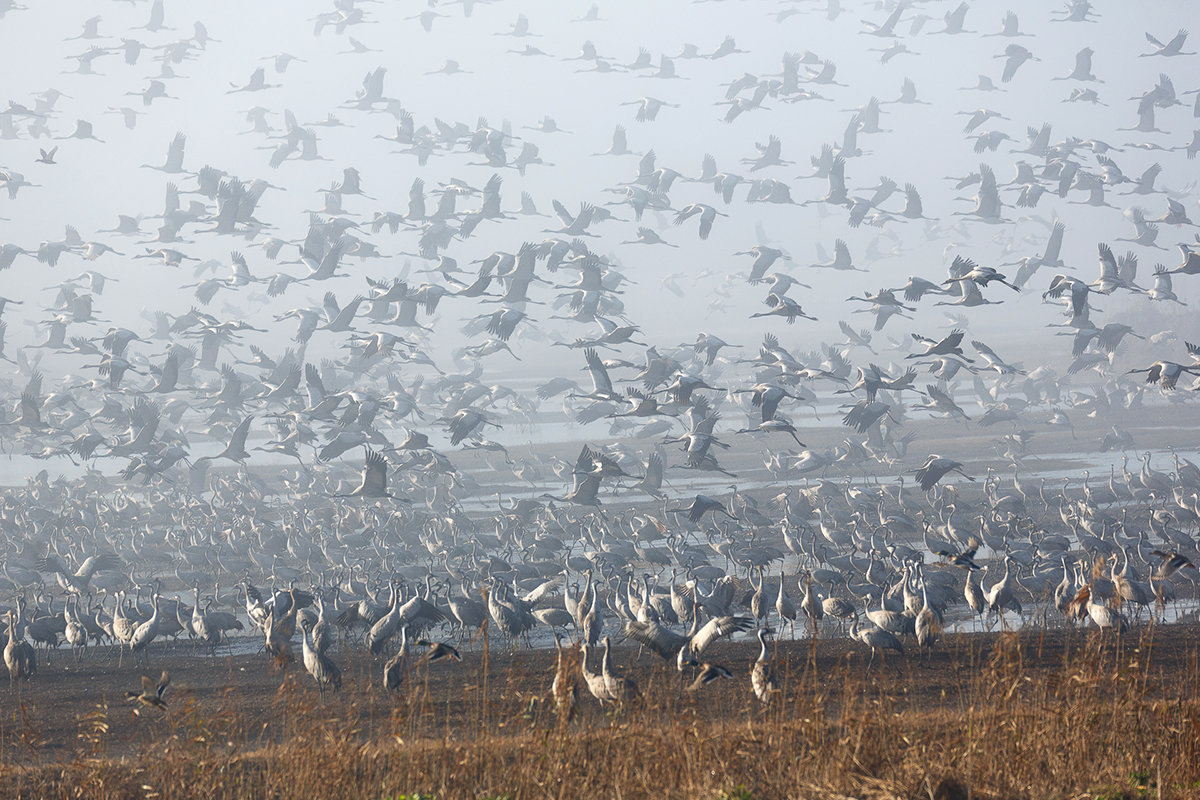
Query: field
1060	713
1045	713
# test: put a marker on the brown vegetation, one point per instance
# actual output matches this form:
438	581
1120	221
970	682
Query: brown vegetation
1060	714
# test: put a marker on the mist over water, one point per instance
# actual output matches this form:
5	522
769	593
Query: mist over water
408	99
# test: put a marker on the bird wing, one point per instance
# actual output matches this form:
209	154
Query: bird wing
663	641
238	440
600	380
961	266
986	351
374	479
175	149
586	463
586	488
93	564
932	471
685	212
1127	268
1108	262
540	591
716	628
330	304
53	563
654	471
1058	285
770	404
707	424
1054	244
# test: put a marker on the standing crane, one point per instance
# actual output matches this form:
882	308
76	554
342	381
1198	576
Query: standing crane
320	666
147	632
19	658
762	674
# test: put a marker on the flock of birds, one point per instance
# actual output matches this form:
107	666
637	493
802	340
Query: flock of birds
148	540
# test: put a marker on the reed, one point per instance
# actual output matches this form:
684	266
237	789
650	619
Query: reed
1001	716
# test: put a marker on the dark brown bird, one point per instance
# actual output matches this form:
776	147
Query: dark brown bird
1172	563
152	693
439	650
708	674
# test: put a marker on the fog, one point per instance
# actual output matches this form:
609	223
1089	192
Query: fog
402	304
671	291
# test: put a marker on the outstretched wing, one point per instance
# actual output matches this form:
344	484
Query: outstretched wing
600	380
374	478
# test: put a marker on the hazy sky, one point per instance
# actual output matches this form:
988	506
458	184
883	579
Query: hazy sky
92	182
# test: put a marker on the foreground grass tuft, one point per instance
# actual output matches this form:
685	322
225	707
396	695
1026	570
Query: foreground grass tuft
1105	720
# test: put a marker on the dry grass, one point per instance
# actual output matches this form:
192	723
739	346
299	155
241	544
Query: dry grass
1102	720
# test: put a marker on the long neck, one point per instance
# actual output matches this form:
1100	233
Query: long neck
583	662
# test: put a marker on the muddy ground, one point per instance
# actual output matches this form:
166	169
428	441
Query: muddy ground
245	701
